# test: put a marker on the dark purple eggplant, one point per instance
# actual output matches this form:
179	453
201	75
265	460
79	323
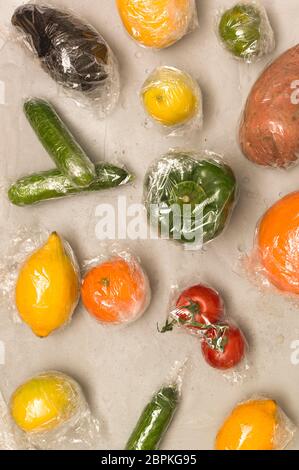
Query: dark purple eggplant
74	54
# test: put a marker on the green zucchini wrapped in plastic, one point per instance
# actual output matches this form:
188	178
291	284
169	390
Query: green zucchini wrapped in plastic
73	53
189	197
245	31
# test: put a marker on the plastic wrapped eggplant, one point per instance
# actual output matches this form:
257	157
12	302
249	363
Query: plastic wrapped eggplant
73	53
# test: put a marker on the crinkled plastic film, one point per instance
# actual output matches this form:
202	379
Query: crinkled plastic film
51	413
189	196
160	23
72	52
115	289
199	310
268	132
157	416
245	31
52	184
274	258
256	424
173	99
29	266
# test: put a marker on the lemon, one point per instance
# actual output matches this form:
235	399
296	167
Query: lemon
45	402
170	96
47	289
251	426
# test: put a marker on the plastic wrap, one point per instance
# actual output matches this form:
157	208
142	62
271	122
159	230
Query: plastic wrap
40	280
199	310
189	196
115	289
51	412
256	424
68	156
73	53
158	414
160	23
269	132
274	259
52	184
245	31
173	99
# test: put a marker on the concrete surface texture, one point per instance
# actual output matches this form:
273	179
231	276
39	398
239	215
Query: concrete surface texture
119	368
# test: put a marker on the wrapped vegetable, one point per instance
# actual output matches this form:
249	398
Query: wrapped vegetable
47	289
275	255
159	23
199	310
245	31
156	417
62	147
115	290
173	99
50	408
74	54
269	132
256	424
52	184
190	196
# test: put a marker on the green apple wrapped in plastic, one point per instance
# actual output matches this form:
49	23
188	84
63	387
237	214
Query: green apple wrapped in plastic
190	196
245	31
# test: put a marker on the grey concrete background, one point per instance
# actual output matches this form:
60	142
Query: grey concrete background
119	368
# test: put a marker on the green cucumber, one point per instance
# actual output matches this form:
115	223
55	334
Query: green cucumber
154	420
68	156
53	184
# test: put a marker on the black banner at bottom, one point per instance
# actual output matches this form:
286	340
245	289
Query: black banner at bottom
140	459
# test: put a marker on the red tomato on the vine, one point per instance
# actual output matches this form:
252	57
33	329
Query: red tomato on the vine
199	305
223	347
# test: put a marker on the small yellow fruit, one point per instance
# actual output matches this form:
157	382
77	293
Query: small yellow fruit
171	97
45	402
47	289
251	426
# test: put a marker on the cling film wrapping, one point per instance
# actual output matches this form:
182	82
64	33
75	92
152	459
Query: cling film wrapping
160	23
245	31
40	281
72	52
199	310
189	196
255	424
173	99
50	412
115	289
274	260
268	132
158	414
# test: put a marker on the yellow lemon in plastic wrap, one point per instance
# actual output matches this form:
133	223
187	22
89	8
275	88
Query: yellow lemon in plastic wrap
251	426
156	23
47	289
171	97
45	402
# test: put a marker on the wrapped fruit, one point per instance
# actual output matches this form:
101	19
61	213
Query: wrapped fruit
45	402
74	54
158	23
245	31
200	311
172	98
190	196
116	290
256	424
47	288
269	131
275	255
